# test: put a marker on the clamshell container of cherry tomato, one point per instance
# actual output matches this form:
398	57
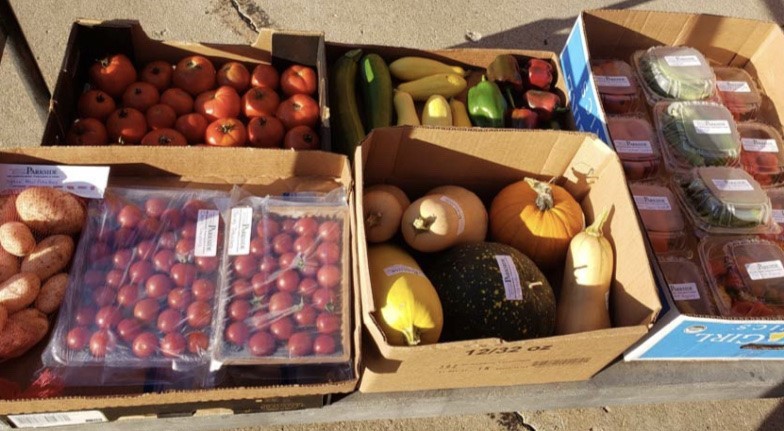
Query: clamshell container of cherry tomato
286	288
142	289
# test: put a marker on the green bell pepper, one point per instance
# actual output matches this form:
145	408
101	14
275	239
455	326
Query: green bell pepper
486	104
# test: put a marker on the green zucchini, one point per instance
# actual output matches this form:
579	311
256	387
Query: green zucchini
375	84
345	122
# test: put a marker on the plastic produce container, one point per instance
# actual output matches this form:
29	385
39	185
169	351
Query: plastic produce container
738	92
697	134
674	73
617	86
762	153
661	217
687	286
776	196
637	146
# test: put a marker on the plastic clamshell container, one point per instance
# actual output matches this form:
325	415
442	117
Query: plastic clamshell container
617	86
661	216
739	92
746	275
762	153
687	286
674	73
776	196
637	146
696	134
725	200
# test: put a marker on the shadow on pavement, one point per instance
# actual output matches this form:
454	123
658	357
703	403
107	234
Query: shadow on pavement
776	10
775	420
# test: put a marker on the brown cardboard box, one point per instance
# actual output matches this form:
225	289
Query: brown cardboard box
485	161
261	172
90	40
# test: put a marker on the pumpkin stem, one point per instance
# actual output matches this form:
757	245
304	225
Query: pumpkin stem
544	194
595	229
373	219
422	224
412	336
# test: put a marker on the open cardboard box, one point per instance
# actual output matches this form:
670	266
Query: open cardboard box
261	172
90	40
755	46
484	161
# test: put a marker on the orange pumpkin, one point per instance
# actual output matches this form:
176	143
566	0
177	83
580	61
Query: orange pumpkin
537	218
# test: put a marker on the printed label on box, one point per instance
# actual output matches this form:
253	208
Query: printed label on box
458	210
652	203
733	185
682	60
401	269
765	270
760	145
612	81
684	291
240	230
206	243
778	216
633	147
85	181
511	279
733	86
712	127
43	420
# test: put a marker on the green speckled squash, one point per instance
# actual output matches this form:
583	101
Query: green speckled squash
491	290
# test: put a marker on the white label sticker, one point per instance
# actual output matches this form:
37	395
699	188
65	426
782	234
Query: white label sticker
401	269
733	185
85	181
778	216
733	86
206	243
460	216
684	291
612	81
652	203
633	147
43	420
712	127
682	60
510	277
765	270
760	145
240	230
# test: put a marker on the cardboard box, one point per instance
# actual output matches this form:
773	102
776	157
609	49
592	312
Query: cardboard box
90	40
261	172
755	46
484	161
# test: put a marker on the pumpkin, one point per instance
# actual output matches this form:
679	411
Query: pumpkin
537	218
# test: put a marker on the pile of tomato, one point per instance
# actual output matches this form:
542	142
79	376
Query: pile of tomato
193	103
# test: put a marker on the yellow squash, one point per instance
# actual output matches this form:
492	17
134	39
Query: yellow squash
411	68
437	112
444	84
459	114
405	109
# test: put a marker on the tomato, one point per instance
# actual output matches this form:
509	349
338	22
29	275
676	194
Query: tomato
304	244
261	283
188	230
306	316
282	243
192	126
127	295
148	227
288	260
226	132
104	296
183	274
124	237
268	264
128	329
179	298
300	344
324	345
265	131
203	289
102	342
239	310
267	228
167	240
298	110
108	317
281	301
298	79
126	126
245	266
197	342
140	271
241	289
141	96
234	74
191	209
95	104
328	276
221	103
194	74
262	344
171	218
144	345
301	138
160	116
282	328
257	247
307	287
112	74
158	73
260	101
87	131
179	100
237	333
165	138
76	339
327	323
84	316
287	281
173	345
183	251
158	286
129	216
264	75
169	320
146	310
287	225
207	264
114	278
325	299
122	258
199	314
163	260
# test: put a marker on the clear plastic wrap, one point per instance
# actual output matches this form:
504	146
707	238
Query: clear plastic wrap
762	153
776	196
617	86
738	92
661	217
637	146
687	286
674	73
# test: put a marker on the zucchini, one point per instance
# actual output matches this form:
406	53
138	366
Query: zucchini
375	84
346	124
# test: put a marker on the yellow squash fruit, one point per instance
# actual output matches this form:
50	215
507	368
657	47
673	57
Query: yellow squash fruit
459	114
411	68
437	112
405	109
444	84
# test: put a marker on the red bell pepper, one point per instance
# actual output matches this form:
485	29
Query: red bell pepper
545	104
540	73
524	118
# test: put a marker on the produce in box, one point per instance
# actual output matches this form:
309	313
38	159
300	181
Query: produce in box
661	217
762	153
777	214
674	73
637	146
738	92
617	86
688	287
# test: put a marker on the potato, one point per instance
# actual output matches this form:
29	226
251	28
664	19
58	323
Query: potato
3	317
8	209
52	293
50	211
19	291
16	238
9	265
22	331
49	257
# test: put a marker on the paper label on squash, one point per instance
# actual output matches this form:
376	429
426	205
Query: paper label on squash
760	145
206	242
458	210
240	230
85	181
684	291
633	147
401	269
652	203
765	270
682	60
739	185
712	127
778	216
43	420
733	86
510	277
612	81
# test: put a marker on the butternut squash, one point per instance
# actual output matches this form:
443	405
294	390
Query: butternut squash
383	207
432	223
473	209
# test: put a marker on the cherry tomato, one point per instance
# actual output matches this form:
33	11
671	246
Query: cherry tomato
158	286
128	329
183	274
192	126
184	249
307	287
262	283
122	258
325	299
300	344
144	345
146	310
329	231
129	216
179	100
104	296
298	79
114	278
199	314
197	342
239	310
160	117
167	240
327	323
328	253
281	301
288	260
262	344
126	126
102	342
169	320
257	247
260	319
158	73
194	74
226	132
173	345
144	250
140	271
94	277
87	132
223	102
288	281
179	298
268	264
127	295
148	227
96	104
245	266
84	316
241	289
163	260
282	328
112	74
124	237
98	250
267	228
282	243
308	265
328	276
233	74
324	345
237	333
203	289
287	225
77	338
301	138
306	226
304	244
298	110
207	264
140	96
265	75
191	210
306	316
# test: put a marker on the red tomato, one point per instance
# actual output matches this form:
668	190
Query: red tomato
87	131
183	274
307	287
265	131
160	116
327	323
102	342
128	329
154	207
165	138
158	73
300	344
221	103
282	243
114	278
298	79
163	260
260	101
288	260
203	289
261	283
173	345
298	110
199	314
281	301
239	310
241	289
306	226
192	126
226	132
194	74
188	230
301	138
207	264
324	345
179	298
146	310
158	286
268	264
127	295
95	104
104	296
129	216
171	218
288	281
144	250
169	320
237	333
126	126
140	96
233	74
245	266
167	240
144	345
262	344
77	338
328	253
267	228
328	276
140	271
257	247
282	328
197	342
108	317
178	99
264	75
287	225
329	231
306	316
149	227
113	74
84	316
325	299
